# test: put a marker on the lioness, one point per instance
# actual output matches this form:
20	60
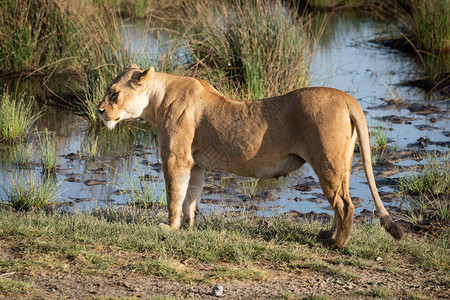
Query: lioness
201	129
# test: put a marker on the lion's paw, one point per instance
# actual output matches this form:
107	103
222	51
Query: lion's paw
332	244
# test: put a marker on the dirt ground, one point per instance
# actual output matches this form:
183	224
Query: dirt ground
286	285
374	281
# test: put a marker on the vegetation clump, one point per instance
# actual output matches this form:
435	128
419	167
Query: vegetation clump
44	36
425	26
428	190
25	191
49	157
141	193
16	117
259	47
432	180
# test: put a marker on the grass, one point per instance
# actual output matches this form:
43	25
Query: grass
49	156
216	240
430	34
16	117
257	48
379	138
13	287
25	191
425	25
120	141
167	268
333	5
422	208
128	239
379	145
140	193
89	148
382	293
47	36
23	154
249	187
318	297
431	179
140	8
431	26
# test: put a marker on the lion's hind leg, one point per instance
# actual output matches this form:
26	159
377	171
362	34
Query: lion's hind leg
336	191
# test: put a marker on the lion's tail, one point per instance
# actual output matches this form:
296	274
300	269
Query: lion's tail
357	116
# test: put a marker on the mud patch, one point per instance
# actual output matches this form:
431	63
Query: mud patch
306	184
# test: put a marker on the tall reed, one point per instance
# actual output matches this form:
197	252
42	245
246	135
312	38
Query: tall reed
426	26
261	47
431	34
141	8
43	36
16	117
431	25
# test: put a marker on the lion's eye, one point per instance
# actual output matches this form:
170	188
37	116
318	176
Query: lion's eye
114	96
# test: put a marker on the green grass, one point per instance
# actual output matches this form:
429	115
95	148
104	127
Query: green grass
25	191
49	156
382	293
142	192
16	117
422	208
431	179
379	138
379	145
140	8
128	239
44	36
318	297
167	268
430	34
89	148
318	5
431	27
425	25
257	48
13	287
23	154
249	187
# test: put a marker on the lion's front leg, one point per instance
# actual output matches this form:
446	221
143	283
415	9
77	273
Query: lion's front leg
177	176
193	196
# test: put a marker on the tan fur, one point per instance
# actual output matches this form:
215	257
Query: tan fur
201	129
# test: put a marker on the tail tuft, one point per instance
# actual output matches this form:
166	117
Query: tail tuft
392	228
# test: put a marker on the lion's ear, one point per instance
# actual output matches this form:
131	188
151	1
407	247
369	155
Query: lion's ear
142	80
147	75
132	66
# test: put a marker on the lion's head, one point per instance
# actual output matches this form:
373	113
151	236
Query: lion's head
126	96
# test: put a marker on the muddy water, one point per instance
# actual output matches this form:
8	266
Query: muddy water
346	59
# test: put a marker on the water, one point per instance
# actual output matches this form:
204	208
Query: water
345	60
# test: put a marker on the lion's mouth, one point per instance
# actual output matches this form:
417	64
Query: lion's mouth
110	124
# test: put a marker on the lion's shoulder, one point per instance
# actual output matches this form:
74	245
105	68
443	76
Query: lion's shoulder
208	87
